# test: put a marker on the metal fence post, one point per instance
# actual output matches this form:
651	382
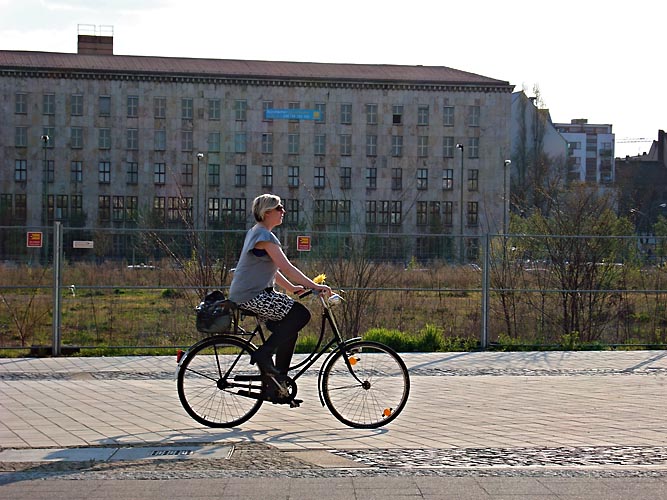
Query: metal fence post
486	264
57	279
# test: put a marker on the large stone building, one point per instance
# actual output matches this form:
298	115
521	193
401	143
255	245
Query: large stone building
369	148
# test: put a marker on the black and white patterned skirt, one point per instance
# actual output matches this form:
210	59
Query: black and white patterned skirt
269	305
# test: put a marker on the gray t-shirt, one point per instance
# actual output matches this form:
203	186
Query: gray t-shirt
253	272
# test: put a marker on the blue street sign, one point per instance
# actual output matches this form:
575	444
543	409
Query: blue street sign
292	114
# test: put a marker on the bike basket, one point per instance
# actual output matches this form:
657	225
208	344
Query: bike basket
214	313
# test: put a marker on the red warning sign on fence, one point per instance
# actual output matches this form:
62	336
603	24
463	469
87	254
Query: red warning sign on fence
33	239
303	243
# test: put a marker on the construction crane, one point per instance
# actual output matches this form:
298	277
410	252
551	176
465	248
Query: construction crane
632	139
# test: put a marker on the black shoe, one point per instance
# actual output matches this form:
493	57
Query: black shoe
264	362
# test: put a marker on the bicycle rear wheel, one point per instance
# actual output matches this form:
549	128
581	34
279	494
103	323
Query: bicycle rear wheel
217	385
366	385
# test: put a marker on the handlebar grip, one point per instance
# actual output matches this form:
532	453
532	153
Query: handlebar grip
304	294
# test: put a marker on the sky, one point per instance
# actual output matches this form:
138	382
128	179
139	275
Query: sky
604	61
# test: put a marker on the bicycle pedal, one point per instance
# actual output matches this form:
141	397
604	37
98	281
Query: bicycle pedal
295	403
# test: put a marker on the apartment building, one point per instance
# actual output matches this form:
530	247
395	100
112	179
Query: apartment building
591	151
106	140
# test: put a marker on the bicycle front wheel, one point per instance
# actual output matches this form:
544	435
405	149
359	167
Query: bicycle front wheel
217	385
365	385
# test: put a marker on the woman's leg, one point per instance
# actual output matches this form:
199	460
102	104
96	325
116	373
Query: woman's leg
284	334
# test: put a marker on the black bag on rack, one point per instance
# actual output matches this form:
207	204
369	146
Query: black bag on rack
214	313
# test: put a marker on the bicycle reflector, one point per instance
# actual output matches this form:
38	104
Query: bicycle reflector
179	355
387	412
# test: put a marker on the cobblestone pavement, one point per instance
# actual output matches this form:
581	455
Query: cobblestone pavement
552	414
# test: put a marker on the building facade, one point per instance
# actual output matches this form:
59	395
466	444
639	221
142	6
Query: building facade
591	151
369	148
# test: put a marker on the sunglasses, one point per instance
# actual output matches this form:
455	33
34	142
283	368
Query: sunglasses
279	207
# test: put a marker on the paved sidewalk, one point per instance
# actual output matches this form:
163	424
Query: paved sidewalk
499	424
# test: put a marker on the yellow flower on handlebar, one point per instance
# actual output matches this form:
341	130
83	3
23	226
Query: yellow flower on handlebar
320	279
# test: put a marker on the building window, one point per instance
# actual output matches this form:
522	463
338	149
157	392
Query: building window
104	138
20	207
383	213
159	207
159	173
76	105
396	145
240	110
346	177
447	212
21	103
213	209
267	176
293	144
50	171
320	144
473	116
292	214
396	179
448	179
187	174
76	205
131	208
293	176
132	173
267	143
473	147
422	178
50	131
397	114
346	113
104	208
187	107
240	176
371	114
118	208
49	104
187	142
371	145
21	137
371	212
132	139
173	209
320	179
371	177
396	213
160	140
266	105
21	170
214	174
448	147
104	103
76	138
76	172
160	107
214	142
422	115
293	105
345	144
239	210
473	179
240	142
448	116
422	146
473	213
319	212
321	112
132	106
214	107
422	213
104	172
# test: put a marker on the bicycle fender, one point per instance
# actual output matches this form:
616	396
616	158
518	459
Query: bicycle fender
326	362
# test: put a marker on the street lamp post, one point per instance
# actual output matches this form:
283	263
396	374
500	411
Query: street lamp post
461	245
506	205
197	206
45	198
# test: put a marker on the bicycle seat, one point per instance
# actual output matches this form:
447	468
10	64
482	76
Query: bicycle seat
246	312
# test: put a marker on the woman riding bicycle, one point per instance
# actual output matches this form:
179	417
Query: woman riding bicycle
261	266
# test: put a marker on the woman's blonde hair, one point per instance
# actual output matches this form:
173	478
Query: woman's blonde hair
262	204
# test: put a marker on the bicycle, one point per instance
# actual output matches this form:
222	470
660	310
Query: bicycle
364	384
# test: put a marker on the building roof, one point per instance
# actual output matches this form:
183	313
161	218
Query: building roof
232	68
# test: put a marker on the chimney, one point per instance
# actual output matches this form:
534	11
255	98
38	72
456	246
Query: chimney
92	43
